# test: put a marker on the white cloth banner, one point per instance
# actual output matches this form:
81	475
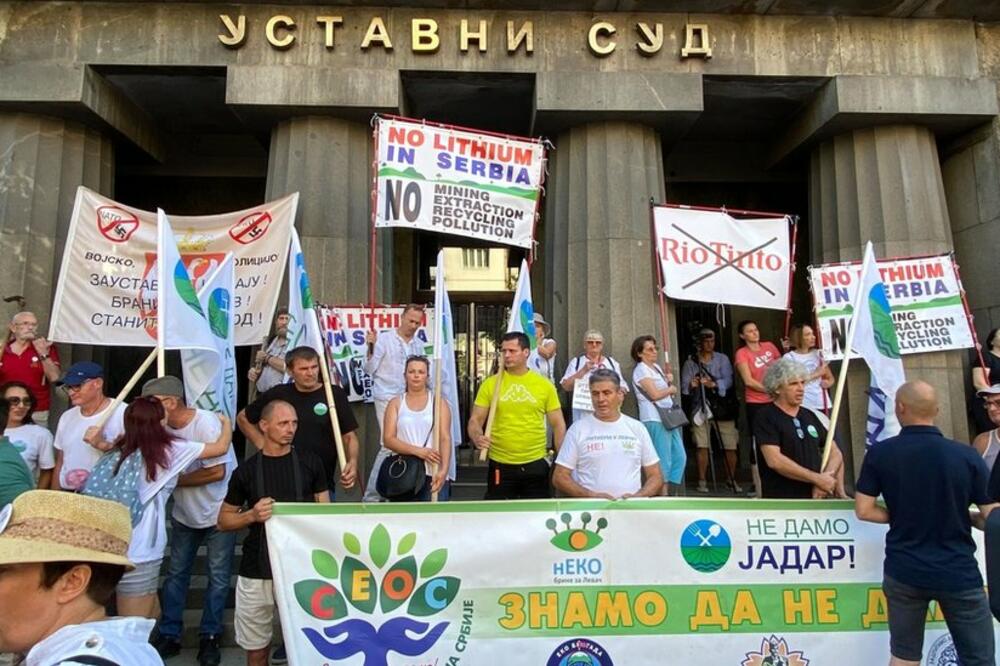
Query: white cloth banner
344	328
183	324
552	582
711	257
216	297
459	182
106	293
925	295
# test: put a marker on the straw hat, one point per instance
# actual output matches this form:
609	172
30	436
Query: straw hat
56	526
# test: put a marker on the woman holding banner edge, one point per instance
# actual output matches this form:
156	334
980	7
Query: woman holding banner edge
820	377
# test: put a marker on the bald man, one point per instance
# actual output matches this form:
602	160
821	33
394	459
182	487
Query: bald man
928	483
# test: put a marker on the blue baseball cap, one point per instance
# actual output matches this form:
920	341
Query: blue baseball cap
80	372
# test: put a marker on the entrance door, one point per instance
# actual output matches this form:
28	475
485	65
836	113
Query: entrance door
478	327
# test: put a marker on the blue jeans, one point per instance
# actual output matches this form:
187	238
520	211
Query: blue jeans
425	494
669	446
184	543
966	612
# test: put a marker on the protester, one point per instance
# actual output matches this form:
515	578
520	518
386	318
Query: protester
983	379
314	431
409	425
607	454
387	354
752	361
200	490
543	358
31	360
988	443
75	455
61	557
268	367
32	441
279	472
654	390
928	483
820	378
15	477
517	467
790	440
580	367
156	459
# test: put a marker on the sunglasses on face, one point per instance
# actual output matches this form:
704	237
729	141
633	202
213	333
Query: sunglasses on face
18	400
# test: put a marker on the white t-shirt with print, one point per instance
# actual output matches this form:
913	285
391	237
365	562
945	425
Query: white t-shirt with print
647	410
34	443
197	507
79	457
607	457
149	536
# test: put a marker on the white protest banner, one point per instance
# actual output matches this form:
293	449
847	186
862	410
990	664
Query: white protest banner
712	257
648	581
344	328
923	292
106	293
453	181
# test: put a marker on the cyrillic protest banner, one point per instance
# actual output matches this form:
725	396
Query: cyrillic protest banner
344	328
923	292
106	293
454	181
712	257
559	582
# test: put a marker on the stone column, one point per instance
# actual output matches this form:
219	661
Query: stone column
327	161
884	184
598	267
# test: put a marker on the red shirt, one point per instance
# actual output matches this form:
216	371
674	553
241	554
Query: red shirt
27	368
758	363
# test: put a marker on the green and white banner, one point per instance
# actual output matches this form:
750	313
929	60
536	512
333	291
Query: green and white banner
561	582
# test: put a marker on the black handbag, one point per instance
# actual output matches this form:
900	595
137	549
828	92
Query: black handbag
402	477
671	417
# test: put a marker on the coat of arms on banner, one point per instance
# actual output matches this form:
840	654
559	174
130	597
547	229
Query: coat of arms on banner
774	651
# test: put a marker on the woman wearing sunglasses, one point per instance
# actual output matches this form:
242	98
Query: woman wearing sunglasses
790	440
32	441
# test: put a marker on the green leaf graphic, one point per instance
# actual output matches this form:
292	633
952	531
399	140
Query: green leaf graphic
433	563
380	545
352	544
406	543
320	599
325	564
433	596
359	585
398	584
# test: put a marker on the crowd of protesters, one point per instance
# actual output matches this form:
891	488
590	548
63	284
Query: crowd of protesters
94	532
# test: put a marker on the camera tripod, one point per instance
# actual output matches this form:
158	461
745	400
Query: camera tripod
708	401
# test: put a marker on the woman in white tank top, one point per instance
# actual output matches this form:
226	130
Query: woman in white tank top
409	424
988	443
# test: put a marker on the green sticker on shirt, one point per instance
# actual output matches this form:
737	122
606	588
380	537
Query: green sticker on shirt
811	429
320	409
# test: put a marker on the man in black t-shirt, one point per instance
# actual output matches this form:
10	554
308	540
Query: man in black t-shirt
315	433
790	440
255	486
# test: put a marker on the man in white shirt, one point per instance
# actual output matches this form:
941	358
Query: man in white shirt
543	358
606	453
77	437
579	368
55	582
386	364
197	499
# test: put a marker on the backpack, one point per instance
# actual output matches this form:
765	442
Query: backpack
122	487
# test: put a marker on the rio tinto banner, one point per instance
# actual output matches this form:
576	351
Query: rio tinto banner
106	293
709	256
924	294
459	182
344	329
590	582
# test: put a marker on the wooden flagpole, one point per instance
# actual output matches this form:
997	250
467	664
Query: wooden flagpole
153	355
332	407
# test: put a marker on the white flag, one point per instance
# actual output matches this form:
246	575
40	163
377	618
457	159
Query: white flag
875	341
181	322
522	312
444	353
303	324
216	298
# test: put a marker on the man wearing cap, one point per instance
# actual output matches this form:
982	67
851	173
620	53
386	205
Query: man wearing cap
543	358
269	364
77	439
32	360
579	369
61	557
197	499
988	443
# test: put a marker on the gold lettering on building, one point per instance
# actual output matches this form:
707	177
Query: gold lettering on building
696	41
464	36
284	24
525	35
424	36
237	31
651	40
329	23
599	32
376	34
